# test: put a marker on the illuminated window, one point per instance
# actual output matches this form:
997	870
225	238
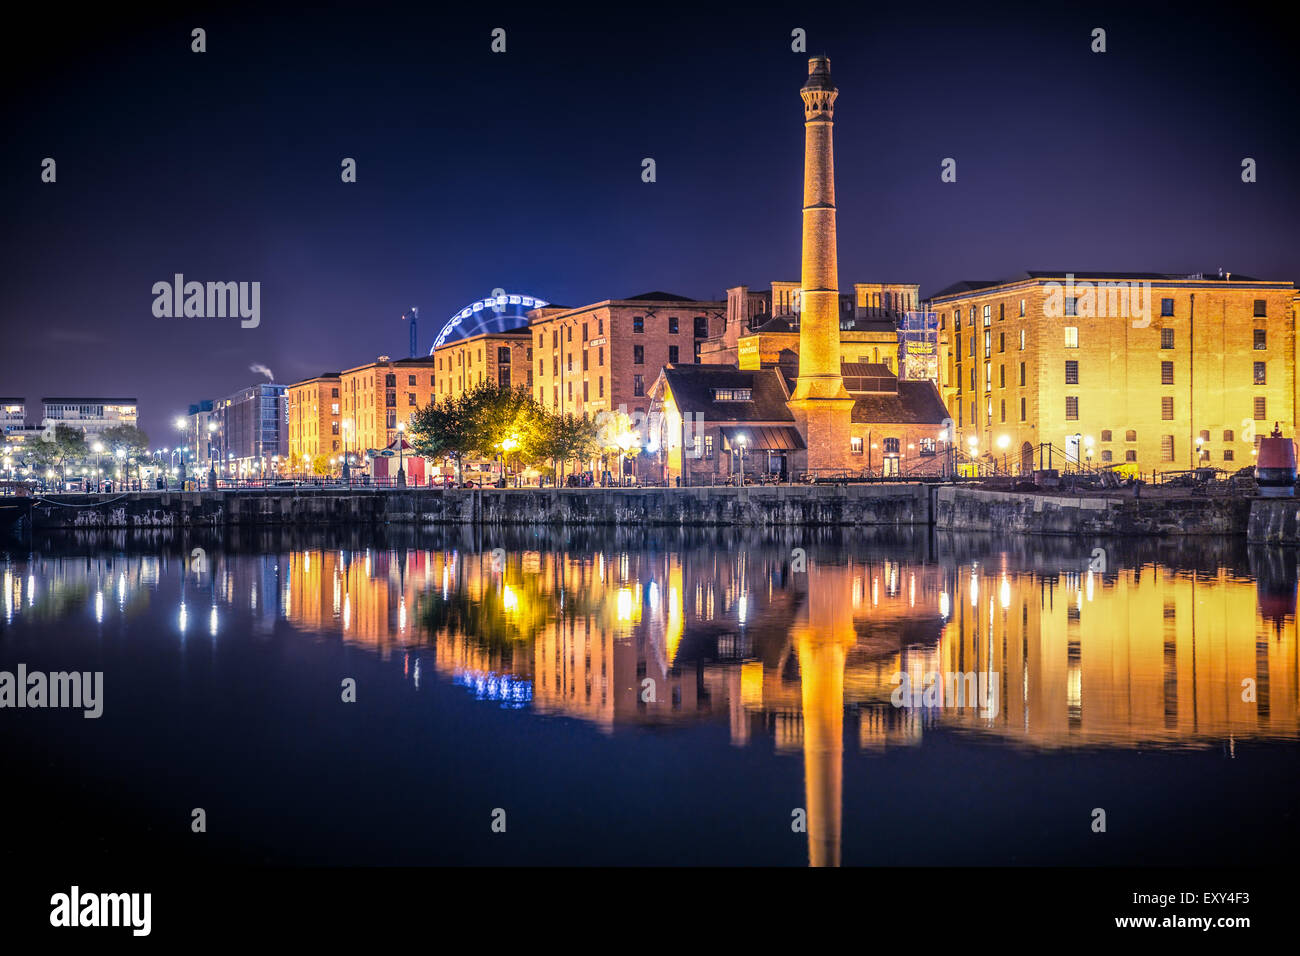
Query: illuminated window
1022	340
708	446
1071	337
1022	309
855	445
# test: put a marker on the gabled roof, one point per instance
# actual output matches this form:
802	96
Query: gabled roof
693	389
915	403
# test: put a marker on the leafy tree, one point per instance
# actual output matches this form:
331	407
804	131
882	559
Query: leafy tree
127	438
568	438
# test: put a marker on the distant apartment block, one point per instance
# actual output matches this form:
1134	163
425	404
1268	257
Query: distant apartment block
92	415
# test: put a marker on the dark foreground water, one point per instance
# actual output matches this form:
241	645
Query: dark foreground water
653	697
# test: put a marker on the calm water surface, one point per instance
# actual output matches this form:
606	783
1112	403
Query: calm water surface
656	697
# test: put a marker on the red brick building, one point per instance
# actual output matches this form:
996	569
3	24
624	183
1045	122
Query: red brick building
606	356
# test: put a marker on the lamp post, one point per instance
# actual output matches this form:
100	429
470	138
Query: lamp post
347	471
98	449
401	458
507	444
740	441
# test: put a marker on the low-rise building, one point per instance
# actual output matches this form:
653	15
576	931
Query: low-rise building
92	415
315	424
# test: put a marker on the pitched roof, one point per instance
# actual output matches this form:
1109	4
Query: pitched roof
693	389
915	403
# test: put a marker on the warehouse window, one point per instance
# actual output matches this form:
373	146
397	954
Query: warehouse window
1166	373
1261	409
1261	375
1072	408
1167	408
1071	373
1167	448
1260	308
1166	338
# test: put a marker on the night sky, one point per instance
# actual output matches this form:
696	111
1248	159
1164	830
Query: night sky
523	170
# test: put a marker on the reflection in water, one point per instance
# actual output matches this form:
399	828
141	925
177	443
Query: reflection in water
1162	650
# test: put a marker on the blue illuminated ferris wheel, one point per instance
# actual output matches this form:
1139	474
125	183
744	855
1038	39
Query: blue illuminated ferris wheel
501	312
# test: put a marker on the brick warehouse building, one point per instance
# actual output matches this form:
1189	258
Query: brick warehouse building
315	422
606	356
1195	382
380	395
502	358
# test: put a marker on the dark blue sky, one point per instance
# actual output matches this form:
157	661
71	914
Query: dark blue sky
522	170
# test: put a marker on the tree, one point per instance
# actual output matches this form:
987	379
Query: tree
438	431
486	422
568	438
131	441
617	437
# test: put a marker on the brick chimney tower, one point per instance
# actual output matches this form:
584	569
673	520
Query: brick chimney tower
821	404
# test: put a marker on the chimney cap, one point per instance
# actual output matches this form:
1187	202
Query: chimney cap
819	74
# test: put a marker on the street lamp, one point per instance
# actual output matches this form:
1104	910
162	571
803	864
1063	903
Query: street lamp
740	441
347	472
98	449
507	444
401	459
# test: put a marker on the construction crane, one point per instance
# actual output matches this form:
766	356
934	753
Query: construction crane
414	315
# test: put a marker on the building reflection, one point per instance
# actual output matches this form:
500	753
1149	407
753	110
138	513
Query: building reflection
798	648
